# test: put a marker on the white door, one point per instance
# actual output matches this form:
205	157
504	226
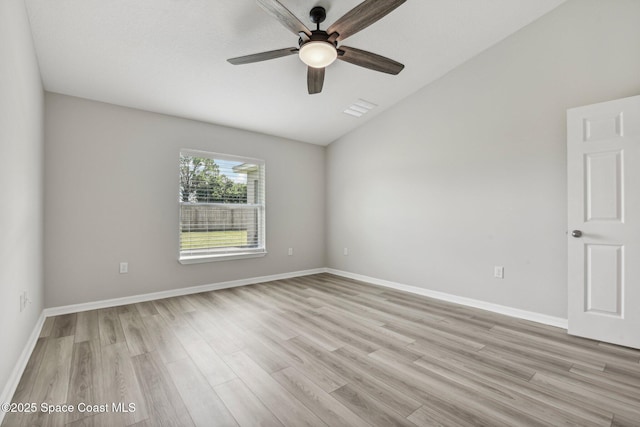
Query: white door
603	159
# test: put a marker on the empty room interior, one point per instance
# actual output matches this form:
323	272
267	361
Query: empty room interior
320	213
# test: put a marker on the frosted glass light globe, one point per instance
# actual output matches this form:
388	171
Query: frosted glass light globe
318	54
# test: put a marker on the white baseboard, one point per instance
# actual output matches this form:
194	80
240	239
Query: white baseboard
74	308
14	379
470	302
496	308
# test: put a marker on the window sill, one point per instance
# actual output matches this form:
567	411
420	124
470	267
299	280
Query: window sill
198	259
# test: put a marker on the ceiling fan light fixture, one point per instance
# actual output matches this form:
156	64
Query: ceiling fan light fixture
318	54
319	48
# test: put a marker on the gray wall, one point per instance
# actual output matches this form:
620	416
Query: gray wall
21	148
469	172
104	162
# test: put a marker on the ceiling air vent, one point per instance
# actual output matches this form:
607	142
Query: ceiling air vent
360	108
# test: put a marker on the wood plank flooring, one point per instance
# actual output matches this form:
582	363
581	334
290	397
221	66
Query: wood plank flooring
321	351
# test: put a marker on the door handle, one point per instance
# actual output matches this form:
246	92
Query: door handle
576	233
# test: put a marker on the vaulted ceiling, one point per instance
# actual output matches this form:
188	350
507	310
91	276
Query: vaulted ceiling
169	56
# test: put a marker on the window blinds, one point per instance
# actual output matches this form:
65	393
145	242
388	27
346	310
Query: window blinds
222	205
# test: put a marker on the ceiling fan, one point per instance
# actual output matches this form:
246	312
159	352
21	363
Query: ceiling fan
319	48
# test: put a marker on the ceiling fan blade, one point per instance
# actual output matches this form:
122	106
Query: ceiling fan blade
315	80
369	60
263	56
284	16
361	16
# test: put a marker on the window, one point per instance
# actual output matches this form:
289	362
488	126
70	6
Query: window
222	207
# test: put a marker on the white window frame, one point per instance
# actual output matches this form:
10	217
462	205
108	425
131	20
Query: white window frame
228	253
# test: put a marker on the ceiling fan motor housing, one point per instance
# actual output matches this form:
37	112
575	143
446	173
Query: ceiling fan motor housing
317	15
317	36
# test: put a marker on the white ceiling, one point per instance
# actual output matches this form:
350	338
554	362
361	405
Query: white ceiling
169	56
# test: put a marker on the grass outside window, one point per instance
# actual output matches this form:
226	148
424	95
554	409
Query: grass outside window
212	239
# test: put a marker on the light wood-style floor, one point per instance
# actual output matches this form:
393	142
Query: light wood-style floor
323	350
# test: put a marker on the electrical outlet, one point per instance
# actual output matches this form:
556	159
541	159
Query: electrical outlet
345	252
124	267
290	251
498	272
